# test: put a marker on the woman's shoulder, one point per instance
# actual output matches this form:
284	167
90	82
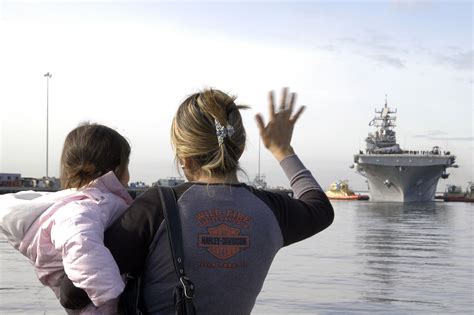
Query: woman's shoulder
152	194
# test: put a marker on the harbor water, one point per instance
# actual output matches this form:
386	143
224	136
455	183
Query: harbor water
383	258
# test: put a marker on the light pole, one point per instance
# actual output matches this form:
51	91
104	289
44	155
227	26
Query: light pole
48	76
259	140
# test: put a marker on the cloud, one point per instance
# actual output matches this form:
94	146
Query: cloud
389	60
431	133
459	60
411	5
347	40
439	135
390	51
377	46
330	48
453	138
375	36
375	42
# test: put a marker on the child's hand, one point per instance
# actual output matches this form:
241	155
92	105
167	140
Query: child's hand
72	297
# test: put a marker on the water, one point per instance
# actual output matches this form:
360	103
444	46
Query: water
384	258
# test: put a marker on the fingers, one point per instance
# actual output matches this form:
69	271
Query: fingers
292	103
283	98
271	105
260	123
286	106
297	115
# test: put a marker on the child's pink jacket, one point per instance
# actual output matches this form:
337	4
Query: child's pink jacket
69	238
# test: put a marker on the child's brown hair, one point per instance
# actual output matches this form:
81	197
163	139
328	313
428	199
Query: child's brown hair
90	151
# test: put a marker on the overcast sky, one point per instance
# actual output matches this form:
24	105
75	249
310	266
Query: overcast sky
130	65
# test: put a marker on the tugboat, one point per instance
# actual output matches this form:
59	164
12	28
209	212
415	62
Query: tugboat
340	191
455	193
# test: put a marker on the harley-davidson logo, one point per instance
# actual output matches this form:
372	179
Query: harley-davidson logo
223	241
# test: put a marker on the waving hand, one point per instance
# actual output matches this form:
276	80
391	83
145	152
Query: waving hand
276	134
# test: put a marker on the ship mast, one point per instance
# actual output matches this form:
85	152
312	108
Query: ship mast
384	120
385	136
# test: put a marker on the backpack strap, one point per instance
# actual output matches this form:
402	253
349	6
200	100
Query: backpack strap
185	291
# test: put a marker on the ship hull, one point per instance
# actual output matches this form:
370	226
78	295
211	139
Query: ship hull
352	197
458	199
402	178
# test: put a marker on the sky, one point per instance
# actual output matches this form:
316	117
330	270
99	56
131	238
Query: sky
129	65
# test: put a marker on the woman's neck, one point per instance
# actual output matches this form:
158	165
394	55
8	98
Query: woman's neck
225	179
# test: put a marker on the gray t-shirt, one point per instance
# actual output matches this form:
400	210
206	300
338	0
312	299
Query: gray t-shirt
231	233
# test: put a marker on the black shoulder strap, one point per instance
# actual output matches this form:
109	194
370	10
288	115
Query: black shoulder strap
173	225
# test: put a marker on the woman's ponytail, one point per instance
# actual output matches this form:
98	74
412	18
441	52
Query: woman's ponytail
208	128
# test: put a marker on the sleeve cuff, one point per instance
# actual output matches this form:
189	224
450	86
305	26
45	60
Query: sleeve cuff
112	294
291	165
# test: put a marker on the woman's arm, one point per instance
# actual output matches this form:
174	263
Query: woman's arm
129	238
311	212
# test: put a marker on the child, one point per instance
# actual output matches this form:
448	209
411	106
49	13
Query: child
67	238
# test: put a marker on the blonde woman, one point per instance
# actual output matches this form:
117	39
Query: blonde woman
231	231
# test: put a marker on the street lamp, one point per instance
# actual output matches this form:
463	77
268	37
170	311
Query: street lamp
259	141
48	76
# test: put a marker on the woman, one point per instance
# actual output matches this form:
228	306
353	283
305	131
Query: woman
231	231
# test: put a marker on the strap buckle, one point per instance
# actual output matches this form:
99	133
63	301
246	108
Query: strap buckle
188	286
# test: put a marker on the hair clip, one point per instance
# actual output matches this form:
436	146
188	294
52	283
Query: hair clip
223	132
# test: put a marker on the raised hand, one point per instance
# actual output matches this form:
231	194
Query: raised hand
276	135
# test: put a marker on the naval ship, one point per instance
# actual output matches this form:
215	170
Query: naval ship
397	175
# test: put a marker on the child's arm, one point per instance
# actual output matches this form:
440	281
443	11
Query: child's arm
87	262
128	239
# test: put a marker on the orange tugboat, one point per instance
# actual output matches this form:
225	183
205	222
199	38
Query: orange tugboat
340	191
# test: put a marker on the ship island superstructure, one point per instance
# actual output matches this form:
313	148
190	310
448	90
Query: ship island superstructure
397	175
